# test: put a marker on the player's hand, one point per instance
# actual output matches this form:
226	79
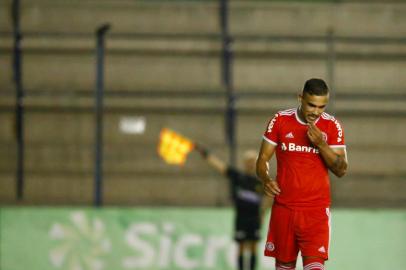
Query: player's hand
271	188
315	135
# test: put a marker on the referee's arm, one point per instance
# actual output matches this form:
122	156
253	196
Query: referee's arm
217	163
213	160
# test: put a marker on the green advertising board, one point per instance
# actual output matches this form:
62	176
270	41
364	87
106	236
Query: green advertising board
176	238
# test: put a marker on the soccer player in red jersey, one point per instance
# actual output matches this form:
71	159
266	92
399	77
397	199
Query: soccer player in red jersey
307	142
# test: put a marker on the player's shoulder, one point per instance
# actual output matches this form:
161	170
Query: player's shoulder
328	117
286	113
332	120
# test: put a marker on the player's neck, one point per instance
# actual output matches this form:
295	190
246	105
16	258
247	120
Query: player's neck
300	115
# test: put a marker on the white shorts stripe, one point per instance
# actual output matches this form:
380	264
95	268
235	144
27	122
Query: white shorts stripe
329	228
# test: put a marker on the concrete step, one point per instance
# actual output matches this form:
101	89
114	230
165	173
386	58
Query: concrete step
138	63
130	158
78	127
344	18
122	189
65	140
370	191
7	187
128	72
202	16
367	191
255	103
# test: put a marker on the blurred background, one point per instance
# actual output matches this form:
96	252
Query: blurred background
82	106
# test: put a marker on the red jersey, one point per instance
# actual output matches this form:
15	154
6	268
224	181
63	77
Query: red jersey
301	172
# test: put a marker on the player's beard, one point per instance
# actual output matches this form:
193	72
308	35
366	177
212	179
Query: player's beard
311	118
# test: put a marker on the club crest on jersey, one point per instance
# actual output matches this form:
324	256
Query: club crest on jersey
292	147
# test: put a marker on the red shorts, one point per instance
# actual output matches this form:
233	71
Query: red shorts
291	231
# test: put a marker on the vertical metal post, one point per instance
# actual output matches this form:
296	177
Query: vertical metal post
19	108
98	170
227	81
331	62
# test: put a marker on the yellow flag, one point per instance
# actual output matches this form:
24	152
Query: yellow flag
173	147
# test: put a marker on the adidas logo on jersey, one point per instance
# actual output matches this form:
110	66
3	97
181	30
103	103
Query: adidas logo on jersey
289	135
322	249
292	147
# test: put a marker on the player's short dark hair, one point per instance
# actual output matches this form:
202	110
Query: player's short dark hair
316	87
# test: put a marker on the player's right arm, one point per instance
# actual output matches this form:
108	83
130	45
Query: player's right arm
271	187
268	147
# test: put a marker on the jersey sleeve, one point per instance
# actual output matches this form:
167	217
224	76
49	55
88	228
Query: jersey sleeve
336	134
271	134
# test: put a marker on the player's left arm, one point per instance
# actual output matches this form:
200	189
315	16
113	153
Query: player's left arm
335	158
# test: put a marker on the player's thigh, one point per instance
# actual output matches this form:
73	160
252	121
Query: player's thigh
281	242
314	235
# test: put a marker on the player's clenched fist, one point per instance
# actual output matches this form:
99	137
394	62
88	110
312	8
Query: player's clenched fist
271	188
